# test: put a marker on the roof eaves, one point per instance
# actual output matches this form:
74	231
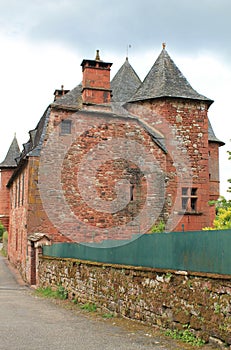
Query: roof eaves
165	96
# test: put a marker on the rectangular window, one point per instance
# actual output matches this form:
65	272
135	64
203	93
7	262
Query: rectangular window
15	195
189	199
19	190
16	240
65	127
184	203
23	188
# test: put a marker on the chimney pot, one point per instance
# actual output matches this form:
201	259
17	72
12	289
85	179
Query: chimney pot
97	57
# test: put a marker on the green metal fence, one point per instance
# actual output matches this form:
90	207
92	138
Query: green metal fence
201	251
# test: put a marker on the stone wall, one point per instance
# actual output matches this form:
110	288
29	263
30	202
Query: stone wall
169	299
187	123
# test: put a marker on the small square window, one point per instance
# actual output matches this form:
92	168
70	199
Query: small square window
189	199
65	127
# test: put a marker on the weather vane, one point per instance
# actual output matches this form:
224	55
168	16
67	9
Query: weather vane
128	47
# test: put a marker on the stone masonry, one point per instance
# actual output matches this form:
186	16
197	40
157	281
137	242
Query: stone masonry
169	299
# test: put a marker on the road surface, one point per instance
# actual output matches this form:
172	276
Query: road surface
30	322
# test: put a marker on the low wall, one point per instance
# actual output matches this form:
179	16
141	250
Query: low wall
169	299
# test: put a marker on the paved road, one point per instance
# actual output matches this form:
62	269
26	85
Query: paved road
28	322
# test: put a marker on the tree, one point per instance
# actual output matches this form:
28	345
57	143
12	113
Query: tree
229	180
223	211
223	217
222	220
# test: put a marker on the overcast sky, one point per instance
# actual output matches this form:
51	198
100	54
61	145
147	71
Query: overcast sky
43	43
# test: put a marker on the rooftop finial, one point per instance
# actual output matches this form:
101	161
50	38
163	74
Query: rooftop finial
164	46
128	47
97	58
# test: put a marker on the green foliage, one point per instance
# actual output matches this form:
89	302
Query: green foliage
223	219
223	211
2	230
223	215
186	336
229	180
89	307
108	315
156	228
5	243
62	293
48	292
217	308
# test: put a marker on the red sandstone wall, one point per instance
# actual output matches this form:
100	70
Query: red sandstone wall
89	131
17	242
185	127
214	170
5	175
37	220
214	180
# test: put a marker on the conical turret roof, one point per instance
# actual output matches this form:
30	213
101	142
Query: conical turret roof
12	154
125	83
212	137
166	80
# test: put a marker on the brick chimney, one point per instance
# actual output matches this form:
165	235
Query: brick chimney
59	93
96	87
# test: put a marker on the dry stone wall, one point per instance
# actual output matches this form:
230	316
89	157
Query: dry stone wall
169	299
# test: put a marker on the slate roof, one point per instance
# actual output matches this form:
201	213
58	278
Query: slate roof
166	80
37	135
163	80
12	154
34	144
212	137
73	99
125	83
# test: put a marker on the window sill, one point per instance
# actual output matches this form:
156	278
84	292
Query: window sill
189	212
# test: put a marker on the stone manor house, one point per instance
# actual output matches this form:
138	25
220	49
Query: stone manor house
109	159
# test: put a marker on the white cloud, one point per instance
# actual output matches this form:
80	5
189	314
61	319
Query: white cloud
44	41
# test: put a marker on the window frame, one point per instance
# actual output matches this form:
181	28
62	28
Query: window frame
189	200
65	127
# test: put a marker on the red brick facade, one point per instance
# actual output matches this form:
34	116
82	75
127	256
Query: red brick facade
107	171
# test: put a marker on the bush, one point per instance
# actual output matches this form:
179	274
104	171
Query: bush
156	228
2	230
222	220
